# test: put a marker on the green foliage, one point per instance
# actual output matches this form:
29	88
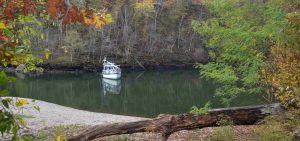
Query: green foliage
201	111
282	75
28	29
239	35
5	79
30	63
10	121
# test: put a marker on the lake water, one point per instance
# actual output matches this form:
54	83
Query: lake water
144	94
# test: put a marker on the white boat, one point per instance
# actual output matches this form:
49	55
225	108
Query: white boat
111	70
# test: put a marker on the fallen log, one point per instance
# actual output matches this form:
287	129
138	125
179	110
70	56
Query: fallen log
168	124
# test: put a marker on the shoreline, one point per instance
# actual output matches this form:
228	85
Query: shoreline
51	115
80	69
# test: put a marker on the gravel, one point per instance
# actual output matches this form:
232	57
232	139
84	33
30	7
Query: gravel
56	115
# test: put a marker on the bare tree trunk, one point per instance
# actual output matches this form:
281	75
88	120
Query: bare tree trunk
168	124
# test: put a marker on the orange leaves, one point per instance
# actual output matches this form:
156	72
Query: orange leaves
71	14
52	9
93	19
56	7
88	17
58	10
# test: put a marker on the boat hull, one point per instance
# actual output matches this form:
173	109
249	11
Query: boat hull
112	76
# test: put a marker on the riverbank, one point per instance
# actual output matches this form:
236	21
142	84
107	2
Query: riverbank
53	115
54	120
56	115
56	69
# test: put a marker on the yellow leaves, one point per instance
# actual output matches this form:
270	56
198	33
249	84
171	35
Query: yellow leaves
21	102
14	63
108	18
145	6
2	25
47	53
61	138
284	75
94	19
42	36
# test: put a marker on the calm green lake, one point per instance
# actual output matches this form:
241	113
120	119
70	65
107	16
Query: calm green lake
144	94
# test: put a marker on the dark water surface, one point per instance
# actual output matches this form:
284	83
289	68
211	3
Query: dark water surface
145	94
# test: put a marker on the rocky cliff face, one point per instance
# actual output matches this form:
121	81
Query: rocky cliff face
157	33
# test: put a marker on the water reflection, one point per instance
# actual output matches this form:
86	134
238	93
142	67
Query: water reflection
111	86
138	94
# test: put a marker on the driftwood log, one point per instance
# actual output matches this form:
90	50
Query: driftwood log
168	124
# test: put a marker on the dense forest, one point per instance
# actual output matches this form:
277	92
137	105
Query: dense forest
143	33
242	46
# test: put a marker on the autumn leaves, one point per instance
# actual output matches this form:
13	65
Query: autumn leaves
58	9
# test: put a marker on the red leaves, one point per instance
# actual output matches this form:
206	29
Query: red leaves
28	6
102	19
1	3
13	7
3	38
10	9
58	10
72	15
7	47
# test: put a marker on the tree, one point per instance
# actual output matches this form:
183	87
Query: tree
17	19
282	75
239	34
73	42
253	46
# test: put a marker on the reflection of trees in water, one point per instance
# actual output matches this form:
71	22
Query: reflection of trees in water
146	95
243	99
